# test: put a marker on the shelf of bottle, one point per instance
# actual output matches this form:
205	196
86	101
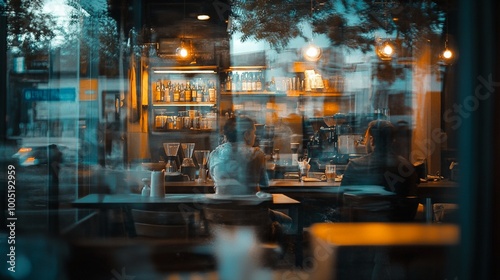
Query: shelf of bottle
197	130
288	93
314	93
252	93
180	104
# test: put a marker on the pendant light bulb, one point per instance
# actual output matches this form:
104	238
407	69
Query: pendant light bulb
447	54
386	50
312	52
183	52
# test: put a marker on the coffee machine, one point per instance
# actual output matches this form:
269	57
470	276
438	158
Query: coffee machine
328	142
336	138
171	150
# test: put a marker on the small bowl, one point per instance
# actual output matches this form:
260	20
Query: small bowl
153	166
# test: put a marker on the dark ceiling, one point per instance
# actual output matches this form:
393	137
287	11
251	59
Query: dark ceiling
173	19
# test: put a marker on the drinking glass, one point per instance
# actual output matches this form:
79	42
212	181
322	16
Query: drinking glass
330	172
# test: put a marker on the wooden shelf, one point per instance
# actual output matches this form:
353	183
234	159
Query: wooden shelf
181	104
163	130
297	93
290	93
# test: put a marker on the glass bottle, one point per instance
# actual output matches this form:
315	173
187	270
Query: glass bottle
188	92
236	85
228	81
258	85
176	93
253	79
211	92
182	93
194	92
199	93
166	92
244	82
157	92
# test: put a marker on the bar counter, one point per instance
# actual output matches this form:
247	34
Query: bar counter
320	200
444	191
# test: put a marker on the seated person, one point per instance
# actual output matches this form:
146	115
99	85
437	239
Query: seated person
382	166
239	168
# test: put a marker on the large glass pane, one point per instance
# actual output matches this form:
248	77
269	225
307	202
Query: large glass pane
95	93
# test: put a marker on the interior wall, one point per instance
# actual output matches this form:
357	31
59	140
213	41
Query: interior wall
423	110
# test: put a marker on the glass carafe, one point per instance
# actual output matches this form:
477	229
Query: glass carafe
171	150
188	167
202	159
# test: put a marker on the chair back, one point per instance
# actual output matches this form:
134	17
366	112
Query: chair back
378	208
367	208
233	213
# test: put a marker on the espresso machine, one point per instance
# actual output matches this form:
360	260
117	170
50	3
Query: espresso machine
324	146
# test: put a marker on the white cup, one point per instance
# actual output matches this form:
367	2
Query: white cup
157	184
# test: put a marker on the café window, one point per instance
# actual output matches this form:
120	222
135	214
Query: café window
135	94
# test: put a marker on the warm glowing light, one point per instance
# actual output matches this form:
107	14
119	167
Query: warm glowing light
312	53
203	17
447	54
386	50
182	52
24	150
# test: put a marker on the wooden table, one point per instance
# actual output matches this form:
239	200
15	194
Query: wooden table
317	195
195	186
409	250
104	202
444	191
439	191
107	201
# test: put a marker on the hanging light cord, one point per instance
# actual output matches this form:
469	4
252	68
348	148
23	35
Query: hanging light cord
312	21
446	22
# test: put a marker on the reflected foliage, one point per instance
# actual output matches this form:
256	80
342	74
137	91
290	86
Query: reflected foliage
387	72
97	36
28	30
87	28
353	24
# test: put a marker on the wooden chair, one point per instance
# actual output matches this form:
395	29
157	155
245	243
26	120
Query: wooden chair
163	224
239	213
228	215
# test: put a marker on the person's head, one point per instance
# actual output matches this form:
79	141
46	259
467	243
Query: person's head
240	129
379	136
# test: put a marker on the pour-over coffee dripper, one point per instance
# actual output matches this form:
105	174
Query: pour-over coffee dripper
188	167
171	150
202	159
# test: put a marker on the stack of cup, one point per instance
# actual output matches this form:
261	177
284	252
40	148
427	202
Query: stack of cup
158	183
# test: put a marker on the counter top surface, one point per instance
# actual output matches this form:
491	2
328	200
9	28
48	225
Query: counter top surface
439	191
93	200
313	184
